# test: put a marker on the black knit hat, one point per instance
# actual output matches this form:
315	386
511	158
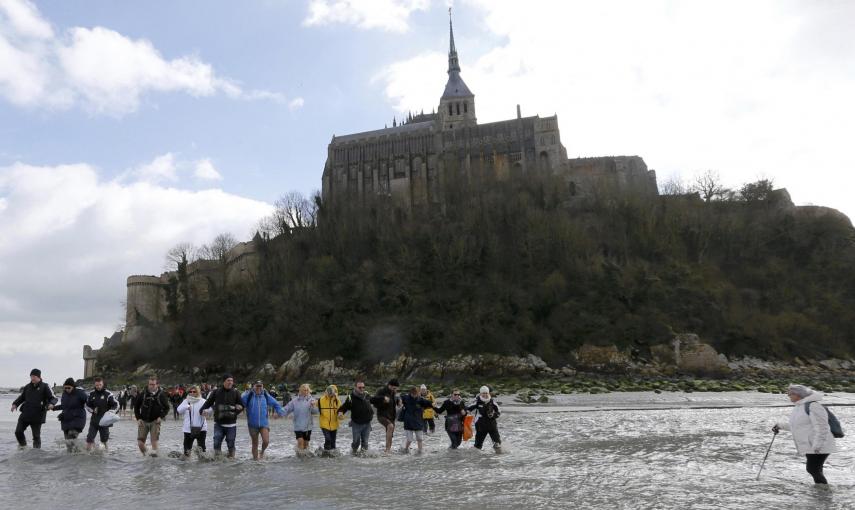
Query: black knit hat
69	382
36	372
227	376
394	382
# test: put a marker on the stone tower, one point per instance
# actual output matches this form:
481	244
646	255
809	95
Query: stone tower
457	104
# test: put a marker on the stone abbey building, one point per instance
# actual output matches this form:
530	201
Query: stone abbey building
409	162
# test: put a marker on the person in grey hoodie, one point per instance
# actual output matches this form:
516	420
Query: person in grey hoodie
303	406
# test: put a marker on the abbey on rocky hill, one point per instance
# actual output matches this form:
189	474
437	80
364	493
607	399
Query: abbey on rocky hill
410	162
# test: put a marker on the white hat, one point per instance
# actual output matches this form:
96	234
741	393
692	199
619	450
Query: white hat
485	389
423	387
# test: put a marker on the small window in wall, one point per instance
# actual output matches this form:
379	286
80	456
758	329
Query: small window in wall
458	108
465	107
450	111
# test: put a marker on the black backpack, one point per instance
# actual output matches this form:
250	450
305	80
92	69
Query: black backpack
833	422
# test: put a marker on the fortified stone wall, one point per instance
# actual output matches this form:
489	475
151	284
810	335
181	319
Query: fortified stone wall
146	295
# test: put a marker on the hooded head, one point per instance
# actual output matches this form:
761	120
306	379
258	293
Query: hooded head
69	384
393	383
332	390
797	392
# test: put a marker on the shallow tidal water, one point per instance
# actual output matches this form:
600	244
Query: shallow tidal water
588	451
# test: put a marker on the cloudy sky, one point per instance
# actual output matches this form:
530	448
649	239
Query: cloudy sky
126	128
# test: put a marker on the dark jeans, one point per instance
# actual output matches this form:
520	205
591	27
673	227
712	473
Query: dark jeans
94	429
361	431
455	437
227	433
814	466
456	422
483	427
37	433
329	439
200	440
429	423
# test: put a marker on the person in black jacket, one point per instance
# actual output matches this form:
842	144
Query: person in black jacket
99	402
150	408
412	413
488	412
455	409
35	401
360	416
227	405
387	402
73	415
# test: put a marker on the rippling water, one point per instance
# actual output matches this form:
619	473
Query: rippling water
570	456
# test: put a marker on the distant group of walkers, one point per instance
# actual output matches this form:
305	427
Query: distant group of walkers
416	410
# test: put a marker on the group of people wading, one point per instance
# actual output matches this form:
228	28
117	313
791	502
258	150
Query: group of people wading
811	426
415	409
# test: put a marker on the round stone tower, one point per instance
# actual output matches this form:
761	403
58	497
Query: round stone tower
145	300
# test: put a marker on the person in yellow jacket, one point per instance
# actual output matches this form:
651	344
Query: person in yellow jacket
428	414
328	416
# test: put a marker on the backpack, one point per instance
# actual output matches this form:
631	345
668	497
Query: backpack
833	422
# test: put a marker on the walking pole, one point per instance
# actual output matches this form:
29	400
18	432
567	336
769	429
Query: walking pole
767	454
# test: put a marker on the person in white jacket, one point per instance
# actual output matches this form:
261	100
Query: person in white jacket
810	429
195	423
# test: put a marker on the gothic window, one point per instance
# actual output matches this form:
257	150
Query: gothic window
450	111
458	108
465	107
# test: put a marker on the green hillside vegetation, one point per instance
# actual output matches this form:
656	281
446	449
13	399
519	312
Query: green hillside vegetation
524	266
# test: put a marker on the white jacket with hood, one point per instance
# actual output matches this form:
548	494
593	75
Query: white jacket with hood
811	432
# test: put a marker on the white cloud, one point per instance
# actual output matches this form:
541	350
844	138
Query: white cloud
205	170
97	68
296	103
69	239
390	15
24	18
162	168
744	88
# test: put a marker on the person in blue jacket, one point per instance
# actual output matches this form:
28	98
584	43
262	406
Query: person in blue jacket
303	406
257	402
73	416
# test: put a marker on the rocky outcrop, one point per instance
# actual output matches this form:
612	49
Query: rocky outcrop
695	356
488	365
607	358
330	370
292	369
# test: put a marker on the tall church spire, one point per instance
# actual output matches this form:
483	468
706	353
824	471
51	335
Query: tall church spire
457	104
453	64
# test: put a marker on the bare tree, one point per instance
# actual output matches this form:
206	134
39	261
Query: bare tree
181	253
292	210
219	247
674	186
709	186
